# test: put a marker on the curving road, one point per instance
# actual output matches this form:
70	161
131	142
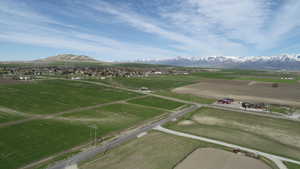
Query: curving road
276	159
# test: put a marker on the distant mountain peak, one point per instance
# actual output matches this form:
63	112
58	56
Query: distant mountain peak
68	58
285	61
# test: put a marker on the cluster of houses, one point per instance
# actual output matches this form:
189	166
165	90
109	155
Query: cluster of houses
245	105
76	72
287	78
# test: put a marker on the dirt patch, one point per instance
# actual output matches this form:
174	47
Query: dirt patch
11	81
185	122
295	115
207	120
252	83
287	94
209	158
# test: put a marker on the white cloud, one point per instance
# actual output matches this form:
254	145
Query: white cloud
37	33
181	27
208	45
22	12
253	24
286	20
222	19
100	46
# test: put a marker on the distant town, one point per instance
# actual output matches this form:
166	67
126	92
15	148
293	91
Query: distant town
102	72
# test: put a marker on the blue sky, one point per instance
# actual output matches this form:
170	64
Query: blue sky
119	30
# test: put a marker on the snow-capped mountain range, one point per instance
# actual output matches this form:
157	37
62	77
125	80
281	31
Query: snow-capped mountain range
286	61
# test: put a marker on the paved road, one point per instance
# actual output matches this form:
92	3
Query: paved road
277	159
83	156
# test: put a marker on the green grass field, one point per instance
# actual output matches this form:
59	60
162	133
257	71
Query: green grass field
153	151
154	82
50	96
167	82
186	97
157	102
215	75
292	166
253	75
24	143
283	110
156	150
6	117
115	116
27	142
266	134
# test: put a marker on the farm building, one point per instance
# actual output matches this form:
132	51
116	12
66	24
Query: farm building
254	105
145	89
287	78
24	78
75	78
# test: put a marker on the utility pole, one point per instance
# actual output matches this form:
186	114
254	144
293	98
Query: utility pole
95	134
91	135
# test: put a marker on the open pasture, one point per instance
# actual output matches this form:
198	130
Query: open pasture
114	117
160	82
122	109
285	94
11	81
275	136
186	97
157	102
27	142
154	151
6	117
292	166
51	96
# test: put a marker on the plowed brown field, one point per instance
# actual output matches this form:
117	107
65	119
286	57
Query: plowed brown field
286	93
